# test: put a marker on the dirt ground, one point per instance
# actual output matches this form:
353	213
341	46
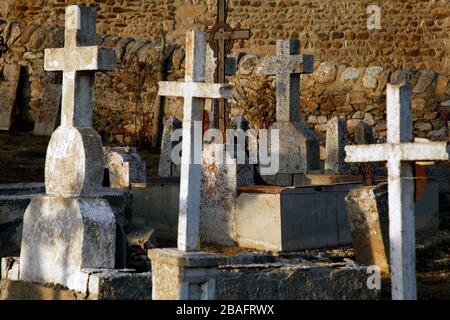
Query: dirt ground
22	158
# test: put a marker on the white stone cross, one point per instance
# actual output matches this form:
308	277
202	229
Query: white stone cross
194	91
400	152
79	60
287	65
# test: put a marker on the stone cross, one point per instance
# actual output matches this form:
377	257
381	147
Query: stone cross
287	65
79	60
194	91
221	39
400	152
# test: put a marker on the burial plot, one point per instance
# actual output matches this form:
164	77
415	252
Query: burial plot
299	151
8	88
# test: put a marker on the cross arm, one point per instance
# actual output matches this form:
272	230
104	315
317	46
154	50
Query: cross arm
233	35
366	153
296	64
195	90
91	58
421	151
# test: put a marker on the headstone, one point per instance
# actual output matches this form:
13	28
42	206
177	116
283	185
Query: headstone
194	91
400	152
367	210
337	139
49	112
76	228
299	147
125	167
363	134
8	89
167	168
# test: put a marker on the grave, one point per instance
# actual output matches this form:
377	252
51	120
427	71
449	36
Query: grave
9	82
337	139
76	243
49	111
400	152
124	167
298	145
166	166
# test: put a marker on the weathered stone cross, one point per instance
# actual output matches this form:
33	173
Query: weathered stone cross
79	60
287	65
399	152
194	91
221	39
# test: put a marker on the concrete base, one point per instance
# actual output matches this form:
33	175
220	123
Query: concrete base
61	237
100	285
15	198
184	275
303	218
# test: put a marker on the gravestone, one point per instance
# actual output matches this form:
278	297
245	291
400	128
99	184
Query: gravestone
299	148
195	91
125	167
400	152
184	273
47	120
167	168
76	228
337	139
8	88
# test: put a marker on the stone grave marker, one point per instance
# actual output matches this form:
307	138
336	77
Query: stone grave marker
337	139
8	88
299	147
76	228
195	91
400	152
49	112
166	166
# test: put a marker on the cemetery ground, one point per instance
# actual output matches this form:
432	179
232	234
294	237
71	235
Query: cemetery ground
22	159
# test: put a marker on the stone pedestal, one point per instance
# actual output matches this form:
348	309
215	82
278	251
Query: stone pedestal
299	152
184	276
62	236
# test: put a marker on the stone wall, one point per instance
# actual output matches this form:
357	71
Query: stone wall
413	34
124	99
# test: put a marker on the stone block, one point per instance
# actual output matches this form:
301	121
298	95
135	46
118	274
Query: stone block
74	234
49	111
8	88
299	148
294	281
166	167
178	275
120	285
124	166
337	139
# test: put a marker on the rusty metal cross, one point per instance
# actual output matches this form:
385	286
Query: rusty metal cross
222	38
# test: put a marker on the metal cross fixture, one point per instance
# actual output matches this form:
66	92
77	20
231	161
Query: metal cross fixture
222	38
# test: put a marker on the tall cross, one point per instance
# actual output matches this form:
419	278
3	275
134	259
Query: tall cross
79	60
221	40
287	65
194	91
400	152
